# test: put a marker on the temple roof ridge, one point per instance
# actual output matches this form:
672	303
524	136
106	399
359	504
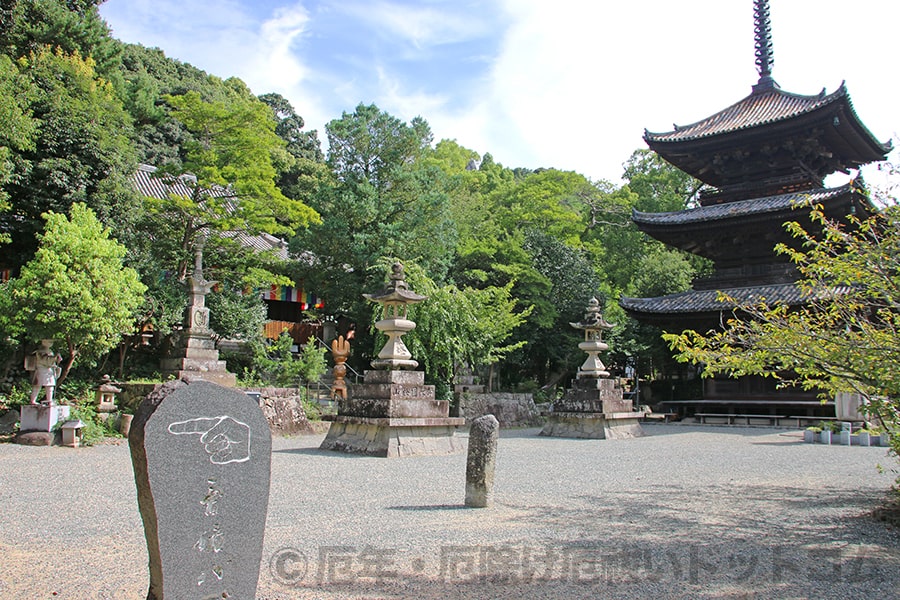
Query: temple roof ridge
758	108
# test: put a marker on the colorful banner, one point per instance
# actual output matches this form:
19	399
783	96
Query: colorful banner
286	293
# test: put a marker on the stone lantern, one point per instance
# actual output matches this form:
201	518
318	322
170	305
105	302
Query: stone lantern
395	298
393	413
594	406
593	325
105	395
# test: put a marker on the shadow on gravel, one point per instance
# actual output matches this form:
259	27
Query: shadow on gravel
318	452
429	508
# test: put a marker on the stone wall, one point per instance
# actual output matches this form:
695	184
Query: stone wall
511	410
282	407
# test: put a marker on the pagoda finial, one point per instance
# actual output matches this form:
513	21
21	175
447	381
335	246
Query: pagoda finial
762	31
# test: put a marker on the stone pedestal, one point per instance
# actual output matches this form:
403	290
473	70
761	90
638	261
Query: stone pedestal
593	408
36	423
394	414
196	359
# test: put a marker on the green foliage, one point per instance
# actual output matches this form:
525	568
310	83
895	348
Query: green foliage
80	151
75	289
16	129
234	315
312	360
275	364
458	328
846	335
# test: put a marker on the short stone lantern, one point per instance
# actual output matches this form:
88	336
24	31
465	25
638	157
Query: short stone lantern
72	433
105	396
594	406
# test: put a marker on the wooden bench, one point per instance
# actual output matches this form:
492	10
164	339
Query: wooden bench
664	417
730	418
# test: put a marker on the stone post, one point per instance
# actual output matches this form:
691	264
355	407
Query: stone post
482	461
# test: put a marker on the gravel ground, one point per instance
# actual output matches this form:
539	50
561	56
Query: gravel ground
685	512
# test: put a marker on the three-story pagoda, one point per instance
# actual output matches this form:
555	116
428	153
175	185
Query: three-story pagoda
761	157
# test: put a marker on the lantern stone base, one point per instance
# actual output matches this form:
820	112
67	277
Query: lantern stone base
394	438
593	408
595	426
196	359
391	415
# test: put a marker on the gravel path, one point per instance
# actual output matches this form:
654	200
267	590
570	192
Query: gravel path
685	512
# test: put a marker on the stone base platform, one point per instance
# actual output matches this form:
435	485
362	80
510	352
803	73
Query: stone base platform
596	426
38	438
223	378
394	437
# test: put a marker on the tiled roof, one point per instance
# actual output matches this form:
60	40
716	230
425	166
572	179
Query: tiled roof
754	110
700	301
739	209
150	185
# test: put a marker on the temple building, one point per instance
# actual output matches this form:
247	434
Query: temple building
759	158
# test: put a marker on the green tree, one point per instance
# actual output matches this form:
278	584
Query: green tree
845	336
16	130
458	328
385	199
232	149
73	27
81	150
75	289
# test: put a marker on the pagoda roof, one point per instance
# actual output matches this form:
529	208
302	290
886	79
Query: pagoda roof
738	210
746	231
722	149
755	110
697	303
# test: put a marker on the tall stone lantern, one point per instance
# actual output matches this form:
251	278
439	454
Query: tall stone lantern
594	406
393	413
593	325
395	298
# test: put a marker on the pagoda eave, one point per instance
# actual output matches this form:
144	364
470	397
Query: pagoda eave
809	145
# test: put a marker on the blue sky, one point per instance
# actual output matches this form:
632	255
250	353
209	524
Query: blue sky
537	83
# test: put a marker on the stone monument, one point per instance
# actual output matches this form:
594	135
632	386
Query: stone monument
594	406
393	413
481	461
202	456
195	355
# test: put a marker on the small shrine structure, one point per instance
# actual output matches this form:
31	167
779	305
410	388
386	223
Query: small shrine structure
763	159
594	406
393	413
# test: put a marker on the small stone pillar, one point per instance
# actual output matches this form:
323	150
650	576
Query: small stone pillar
481	461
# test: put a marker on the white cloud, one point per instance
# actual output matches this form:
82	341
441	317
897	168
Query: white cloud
573	84
421	26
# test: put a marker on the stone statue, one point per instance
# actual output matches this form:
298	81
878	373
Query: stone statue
43	364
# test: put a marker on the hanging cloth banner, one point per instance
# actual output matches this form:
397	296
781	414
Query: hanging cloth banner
285	293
